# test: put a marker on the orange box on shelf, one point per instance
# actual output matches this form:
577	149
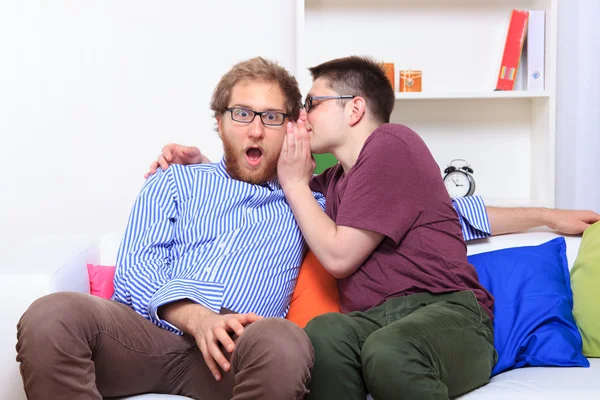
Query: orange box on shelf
410	80
389	72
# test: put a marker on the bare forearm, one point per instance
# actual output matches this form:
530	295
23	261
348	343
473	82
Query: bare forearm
516	219
184	314
319	231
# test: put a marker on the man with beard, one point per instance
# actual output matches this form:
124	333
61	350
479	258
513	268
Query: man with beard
205	271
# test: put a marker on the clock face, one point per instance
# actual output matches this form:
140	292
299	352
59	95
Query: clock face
457	183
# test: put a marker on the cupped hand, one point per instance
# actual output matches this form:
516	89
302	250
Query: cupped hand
296	164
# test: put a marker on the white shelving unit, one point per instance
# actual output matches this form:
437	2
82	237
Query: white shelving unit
470	95
507	137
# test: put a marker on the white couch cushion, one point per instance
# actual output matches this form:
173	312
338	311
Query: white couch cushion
531	238
518	384
109	247
542	383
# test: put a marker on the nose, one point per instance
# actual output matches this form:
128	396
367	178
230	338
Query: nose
256	129
304	117
303	114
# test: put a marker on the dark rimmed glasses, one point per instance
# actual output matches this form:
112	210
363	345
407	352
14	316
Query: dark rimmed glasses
308	103
246	116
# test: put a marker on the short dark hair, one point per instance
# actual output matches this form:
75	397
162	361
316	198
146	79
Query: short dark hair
360	76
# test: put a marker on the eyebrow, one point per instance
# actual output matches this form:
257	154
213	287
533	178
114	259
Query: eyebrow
250	108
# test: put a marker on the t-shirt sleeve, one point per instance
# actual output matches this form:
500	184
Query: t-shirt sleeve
318	183
384	192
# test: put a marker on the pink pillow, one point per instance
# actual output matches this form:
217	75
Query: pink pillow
101	280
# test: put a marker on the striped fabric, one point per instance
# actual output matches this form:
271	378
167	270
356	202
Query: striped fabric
195	233
473	217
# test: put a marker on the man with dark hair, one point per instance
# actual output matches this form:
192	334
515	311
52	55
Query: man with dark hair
416	322
205	272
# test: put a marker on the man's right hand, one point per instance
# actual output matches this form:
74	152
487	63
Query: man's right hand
174	153
215	330
209	329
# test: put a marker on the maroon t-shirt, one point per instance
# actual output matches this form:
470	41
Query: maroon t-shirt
395	188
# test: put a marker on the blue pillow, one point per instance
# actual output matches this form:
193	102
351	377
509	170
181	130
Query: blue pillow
533	311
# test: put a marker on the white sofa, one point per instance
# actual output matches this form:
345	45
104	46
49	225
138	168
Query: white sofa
59	264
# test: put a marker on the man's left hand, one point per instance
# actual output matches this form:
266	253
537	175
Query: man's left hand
571	222
296	164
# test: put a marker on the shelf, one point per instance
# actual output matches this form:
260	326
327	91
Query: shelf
508	137
470	95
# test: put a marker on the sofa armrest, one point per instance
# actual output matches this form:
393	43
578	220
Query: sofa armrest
35	268
73	275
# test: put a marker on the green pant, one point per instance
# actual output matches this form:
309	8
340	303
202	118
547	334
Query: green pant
422	346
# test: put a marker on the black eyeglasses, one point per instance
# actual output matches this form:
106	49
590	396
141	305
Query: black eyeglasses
308	103
246	116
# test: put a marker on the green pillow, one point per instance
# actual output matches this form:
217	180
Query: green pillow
585	283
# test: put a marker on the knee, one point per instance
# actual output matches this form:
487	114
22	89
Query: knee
380	356
53	315
279	337
329	328
274	359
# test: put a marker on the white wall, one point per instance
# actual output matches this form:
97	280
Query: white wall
91	90
578	105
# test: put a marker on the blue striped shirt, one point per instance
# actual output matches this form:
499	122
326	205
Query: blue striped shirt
195	233
473	217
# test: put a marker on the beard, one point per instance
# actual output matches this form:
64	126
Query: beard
234	164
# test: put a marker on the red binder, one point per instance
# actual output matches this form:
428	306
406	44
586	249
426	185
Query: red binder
513	47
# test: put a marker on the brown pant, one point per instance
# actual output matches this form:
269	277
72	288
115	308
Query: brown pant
76	346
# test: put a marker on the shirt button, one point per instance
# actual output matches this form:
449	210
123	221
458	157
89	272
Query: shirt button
207	269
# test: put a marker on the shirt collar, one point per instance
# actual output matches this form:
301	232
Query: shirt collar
221	170
273	184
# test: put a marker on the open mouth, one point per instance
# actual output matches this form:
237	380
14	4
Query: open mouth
254	155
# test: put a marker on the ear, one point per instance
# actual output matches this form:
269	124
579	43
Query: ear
356	110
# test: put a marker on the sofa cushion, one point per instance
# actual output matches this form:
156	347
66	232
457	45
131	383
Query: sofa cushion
316	292
532	237
541	384
533	324
101	280
585	280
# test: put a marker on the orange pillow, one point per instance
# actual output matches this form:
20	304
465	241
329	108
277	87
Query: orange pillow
316	292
